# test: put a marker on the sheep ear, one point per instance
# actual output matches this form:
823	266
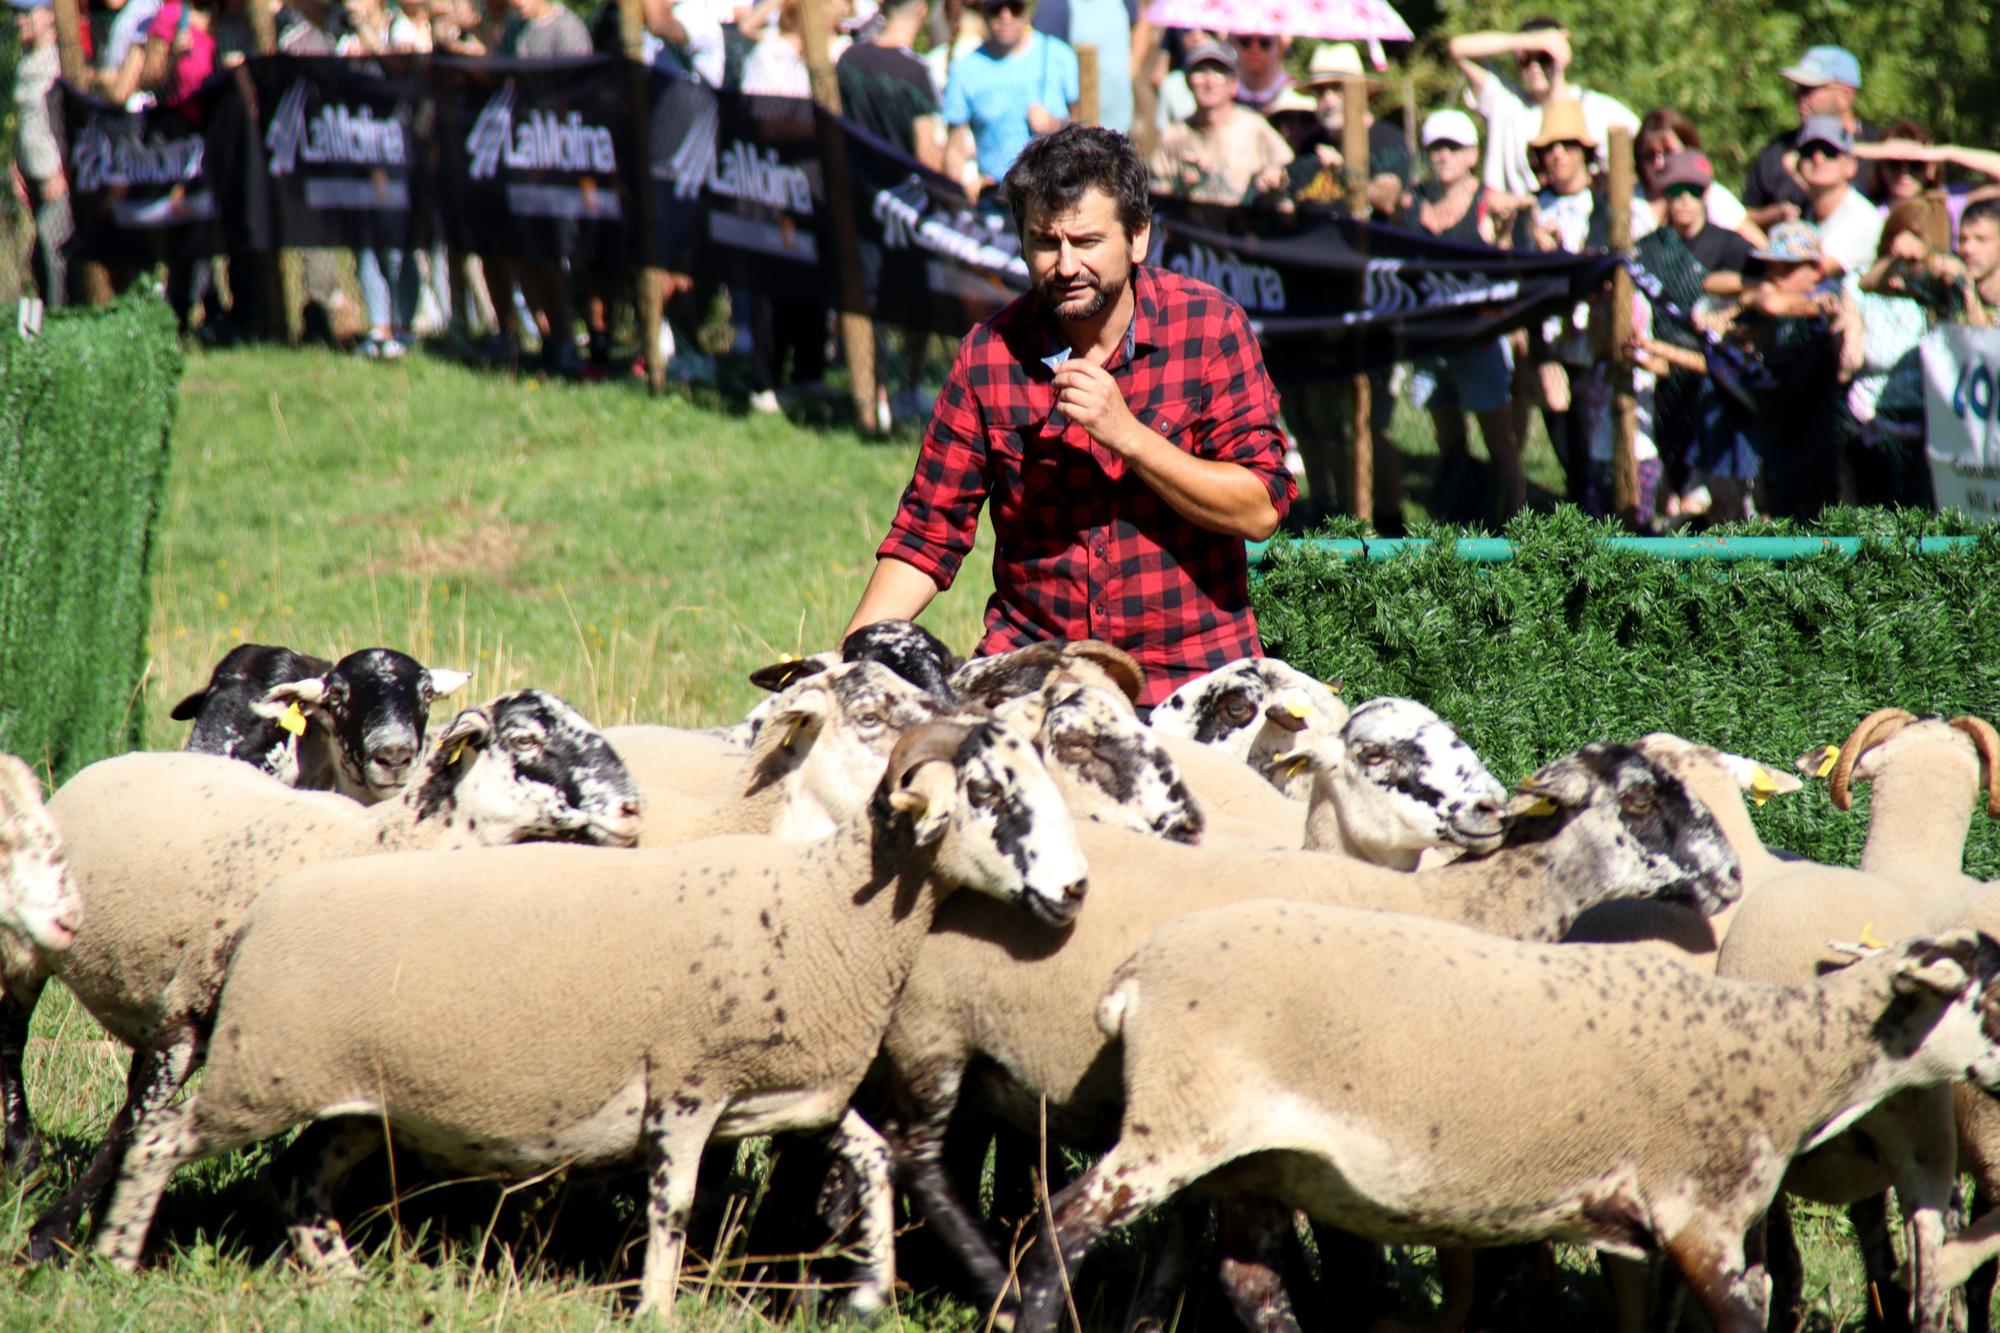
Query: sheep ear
314	694
442	681
925	799
1760	780
185	710
1563	782
471	729
786	673
1324	755
1941	964
1025	713
1287	711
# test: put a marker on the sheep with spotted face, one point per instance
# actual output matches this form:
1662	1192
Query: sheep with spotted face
1394	781
364	720
737	986
39	913
226	721
984	993
1258	710
168	852
1451	1088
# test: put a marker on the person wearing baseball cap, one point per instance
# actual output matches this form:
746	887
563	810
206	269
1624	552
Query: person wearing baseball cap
1224	153
1825	81
1849	226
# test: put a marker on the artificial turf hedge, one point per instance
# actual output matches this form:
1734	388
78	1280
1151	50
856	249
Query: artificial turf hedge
84	413
1571	642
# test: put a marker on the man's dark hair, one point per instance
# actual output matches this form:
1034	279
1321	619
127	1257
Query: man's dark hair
1983	210
1052	174
1541	23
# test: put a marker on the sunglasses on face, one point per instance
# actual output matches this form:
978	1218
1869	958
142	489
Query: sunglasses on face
1685	192
1569	145
1255	41
1538	58
1445	146
1013	7
1813	150
1901	168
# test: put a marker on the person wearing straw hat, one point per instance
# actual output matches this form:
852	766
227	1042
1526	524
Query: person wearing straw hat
1389	166
1541	54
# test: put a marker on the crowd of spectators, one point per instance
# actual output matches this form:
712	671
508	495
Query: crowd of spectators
1777	367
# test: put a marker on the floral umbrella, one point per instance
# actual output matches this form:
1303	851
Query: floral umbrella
1335	20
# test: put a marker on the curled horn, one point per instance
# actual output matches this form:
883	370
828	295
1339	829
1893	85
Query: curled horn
1858	740
1988	742
1115	662
922	744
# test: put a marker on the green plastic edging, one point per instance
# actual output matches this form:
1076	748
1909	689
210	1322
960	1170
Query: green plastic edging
1497	550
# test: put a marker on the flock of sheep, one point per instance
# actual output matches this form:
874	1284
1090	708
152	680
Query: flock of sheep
1268	955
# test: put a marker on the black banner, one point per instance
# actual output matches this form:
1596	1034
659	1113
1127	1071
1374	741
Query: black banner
144	184
340	150
535	158
540	160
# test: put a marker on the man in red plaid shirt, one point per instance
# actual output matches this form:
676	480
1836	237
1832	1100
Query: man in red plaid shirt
1119	419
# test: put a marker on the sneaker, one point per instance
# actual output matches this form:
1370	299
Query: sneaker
390	349
497	349
765	403
370	347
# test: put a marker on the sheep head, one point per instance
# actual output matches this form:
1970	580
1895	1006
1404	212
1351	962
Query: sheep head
1877	727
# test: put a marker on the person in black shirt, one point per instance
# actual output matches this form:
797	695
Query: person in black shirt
887	89
1824	83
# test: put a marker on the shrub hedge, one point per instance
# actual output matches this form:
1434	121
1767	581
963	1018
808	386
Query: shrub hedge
1572	642
84	413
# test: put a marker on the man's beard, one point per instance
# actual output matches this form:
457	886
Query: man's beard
1082	307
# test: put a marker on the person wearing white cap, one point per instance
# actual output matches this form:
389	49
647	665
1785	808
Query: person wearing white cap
1541	54
1455	205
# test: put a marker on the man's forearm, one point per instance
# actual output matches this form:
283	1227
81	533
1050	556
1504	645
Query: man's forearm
897	590
1222	497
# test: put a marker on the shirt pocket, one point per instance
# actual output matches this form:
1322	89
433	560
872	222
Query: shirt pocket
1024	475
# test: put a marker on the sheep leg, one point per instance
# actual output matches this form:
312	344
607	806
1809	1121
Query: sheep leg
1783	1265
1253	1243
675	1133
318	1160
170	1138
157	1076
1967	1260
1870	1219
1735	1297
24	1149
917	1154
867	1155
1118	1189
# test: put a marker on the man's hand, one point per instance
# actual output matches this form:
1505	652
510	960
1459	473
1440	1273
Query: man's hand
1551	42
1089	396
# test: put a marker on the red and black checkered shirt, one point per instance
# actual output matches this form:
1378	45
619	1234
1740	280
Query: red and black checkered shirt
1083	548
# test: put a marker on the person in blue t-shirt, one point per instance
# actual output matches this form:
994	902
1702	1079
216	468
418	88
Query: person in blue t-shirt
1018	84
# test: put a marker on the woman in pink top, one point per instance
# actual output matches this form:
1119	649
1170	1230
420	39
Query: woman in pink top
180	48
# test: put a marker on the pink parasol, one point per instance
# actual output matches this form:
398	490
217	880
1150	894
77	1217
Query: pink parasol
1336	20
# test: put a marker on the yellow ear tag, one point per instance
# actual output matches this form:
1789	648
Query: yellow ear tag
1296	767
792	733
1827	759
788	657
1762	788
457	753
293	719
1545	806
1868	936
1296	709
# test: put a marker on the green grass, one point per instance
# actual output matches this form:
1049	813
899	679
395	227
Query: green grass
639	557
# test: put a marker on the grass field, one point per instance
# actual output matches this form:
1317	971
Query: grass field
639	557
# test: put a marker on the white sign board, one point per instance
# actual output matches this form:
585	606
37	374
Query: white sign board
1962	417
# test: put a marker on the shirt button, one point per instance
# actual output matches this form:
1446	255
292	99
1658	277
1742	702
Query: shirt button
1100	550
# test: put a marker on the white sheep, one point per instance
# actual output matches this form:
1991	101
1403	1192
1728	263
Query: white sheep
1418	1083
39	912
168	851
1258	710
985	992
733	987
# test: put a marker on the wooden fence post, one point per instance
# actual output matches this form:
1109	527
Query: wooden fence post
69	40
1354	162
857	331
652	284
1087	111
1624	405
